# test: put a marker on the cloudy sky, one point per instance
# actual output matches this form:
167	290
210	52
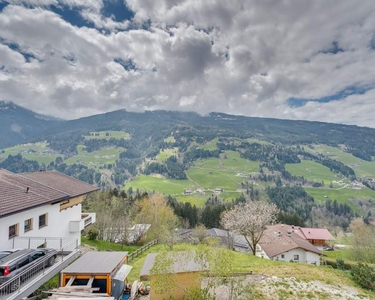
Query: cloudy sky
289	59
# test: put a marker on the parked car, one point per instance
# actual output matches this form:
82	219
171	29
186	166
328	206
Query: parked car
15	263
4	253
328	248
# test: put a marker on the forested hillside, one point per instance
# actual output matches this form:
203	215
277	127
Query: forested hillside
316	173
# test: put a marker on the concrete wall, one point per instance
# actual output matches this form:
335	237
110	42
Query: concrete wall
183	281
57	224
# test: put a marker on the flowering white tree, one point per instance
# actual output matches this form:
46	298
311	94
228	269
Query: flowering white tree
250	220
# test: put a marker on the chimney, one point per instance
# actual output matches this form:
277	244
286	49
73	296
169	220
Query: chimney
27	190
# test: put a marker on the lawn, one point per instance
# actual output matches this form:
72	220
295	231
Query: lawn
37	151
312	171
95	158
161	185
108	135
361	167
341	195
108	246
164	154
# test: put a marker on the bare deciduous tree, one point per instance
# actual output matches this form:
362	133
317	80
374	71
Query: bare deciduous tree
362	241
250	220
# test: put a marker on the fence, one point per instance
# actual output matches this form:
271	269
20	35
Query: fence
58	243
141	250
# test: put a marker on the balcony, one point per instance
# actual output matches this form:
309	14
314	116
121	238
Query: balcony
86	220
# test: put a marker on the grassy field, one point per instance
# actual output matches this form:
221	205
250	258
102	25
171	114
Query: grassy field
235	163
341	195
243	262
96	158
252	141
312	171
161	185
107	135
208	174
164	154
211	145
197	199
37	151
108	246
170	139
214	179
361	167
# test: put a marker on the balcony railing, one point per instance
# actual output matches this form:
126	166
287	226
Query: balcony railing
26	282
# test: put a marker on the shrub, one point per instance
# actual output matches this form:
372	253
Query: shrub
340	264
364	275
92	234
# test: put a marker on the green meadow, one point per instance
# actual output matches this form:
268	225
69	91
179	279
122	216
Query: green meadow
211	145
235	163
170	139
107	135
214	179
95	158
342	195
232	163
37	151
252	141
161	185
361	167
312	171
245	263
197	199
164	154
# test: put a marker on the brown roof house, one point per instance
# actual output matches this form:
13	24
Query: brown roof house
317	236
42	209
281	242
173	273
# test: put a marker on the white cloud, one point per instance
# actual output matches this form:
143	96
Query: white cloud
241	57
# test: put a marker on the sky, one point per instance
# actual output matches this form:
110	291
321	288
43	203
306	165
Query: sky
287	59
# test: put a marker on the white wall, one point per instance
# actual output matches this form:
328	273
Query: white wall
304	256
57	224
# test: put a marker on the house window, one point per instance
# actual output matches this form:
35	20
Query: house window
282	256
42	220
296	257
13	231
28	225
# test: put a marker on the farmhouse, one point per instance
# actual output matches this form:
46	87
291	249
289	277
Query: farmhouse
184	270
41	206
281	242
317	236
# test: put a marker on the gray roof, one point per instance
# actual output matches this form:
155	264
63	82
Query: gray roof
183	261
96	263
44	188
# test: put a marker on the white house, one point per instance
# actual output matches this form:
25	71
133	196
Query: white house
280	242
41	205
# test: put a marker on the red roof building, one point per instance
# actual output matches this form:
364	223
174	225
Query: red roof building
315	236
